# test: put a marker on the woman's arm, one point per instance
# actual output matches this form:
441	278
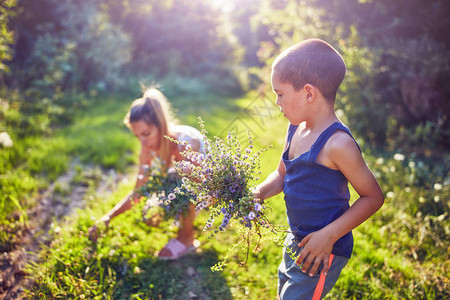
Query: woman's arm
131	199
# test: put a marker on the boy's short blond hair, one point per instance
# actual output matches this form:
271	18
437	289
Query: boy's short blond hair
311	61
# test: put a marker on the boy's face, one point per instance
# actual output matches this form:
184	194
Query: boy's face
291	102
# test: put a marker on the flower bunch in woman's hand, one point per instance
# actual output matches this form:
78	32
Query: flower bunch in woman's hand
159	190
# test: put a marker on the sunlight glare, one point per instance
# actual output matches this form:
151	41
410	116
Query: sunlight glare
226	6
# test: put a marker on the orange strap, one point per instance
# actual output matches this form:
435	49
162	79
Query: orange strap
321	283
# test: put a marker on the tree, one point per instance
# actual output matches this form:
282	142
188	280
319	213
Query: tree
183	37
66	44
398	58
6	35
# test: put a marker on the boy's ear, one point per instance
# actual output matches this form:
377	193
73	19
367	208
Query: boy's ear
310	92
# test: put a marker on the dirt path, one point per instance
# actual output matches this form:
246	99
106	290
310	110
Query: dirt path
61	199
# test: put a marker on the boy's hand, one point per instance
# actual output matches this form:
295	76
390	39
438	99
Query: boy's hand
317	249
257	194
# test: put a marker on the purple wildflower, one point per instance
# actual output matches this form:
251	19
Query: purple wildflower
225	222
251	215
171	196
258	207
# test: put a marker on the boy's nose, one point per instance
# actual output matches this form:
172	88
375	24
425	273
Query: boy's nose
277	101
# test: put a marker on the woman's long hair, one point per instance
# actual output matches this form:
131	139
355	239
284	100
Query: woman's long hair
154	109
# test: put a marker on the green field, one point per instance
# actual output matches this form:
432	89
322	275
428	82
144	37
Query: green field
400	253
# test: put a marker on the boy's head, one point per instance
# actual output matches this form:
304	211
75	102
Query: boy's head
314	62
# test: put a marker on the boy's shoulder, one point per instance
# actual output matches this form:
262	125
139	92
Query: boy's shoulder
341	141
340	147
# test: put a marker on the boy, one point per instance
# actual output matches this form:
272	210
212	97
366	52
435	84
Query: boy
319	158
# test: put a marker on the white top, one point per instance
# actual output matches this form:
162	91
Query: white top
189	134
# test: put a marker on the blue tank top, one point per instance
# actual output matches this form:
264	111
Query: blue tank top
314	194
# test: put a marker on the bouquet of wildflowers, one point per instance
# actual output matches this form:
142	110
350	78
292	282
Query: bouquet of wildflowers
160	193
222	179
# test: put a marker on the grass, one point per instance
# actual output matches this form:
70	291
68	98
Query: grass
400	253
100	137
25	169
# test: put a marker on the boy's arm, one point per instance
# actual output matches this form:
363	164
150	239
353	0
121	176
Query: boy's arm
346	157
274	183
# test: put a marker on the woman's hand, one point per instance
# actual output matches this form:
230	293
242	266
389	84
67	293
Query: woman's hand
154	220
93	230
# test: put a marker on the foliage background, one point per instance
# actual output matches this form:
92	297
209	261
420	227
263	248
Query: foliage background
69	69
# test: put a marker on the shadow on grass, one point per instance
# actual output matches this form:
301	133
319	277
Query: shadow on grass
189	277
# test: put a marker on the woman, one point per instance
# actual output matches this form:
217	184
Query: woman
150	119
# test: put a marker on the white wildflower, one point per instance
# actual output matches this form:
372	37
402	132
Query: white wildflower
438	186
399	157
442	217
5	140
